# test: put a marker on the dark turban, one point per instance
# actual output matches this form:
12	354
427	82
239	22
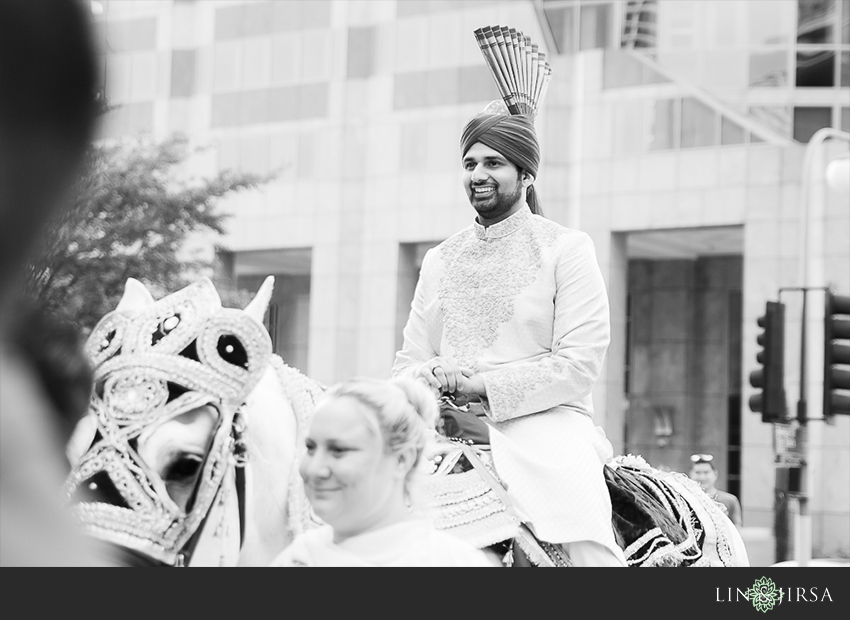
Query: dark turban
514	137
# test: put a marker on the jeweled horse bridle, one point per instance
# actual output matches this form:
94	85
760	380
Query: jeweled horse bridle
239	452
131	557
153	364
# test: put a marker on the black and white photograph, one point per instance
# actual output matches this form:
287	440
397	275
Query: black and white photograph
429	283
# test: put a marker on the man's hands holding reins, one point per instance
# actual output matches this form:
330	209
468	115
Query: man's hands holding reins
445	376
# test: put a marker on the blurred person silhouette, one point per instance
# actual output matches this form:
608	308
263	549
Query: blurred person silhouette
55	349
704	472
48	116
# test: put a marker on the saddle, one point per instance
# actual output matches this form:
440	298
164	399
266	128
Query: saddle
467	497
658	520
464	492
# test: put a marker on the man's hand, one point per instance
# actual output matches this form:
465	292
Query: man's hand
473	388
474	385
443	374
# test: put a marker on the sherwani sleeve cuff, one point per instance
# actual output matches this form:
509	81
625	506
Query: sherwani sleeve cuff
524	389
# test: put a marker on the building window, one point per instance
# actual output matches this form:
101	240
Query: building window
699	124
183	63
808	120
596	25
581	24
777	118
361	52
640	27
845	22
815	68
664	119
770	23
562	23
815	21
768	69
821	39
410	257
288	317
731	132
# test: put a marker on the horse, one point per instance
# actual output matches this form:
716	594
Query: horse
187	456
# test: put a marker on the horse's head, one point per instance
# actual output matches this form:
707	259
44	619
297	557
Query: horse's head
188	396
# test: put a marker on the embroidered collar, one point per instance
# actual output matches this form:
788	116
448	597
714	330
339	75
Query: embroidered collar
505	227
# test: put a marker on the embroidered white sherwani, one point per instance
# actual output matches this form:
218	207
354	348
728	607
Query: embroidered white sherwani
523	303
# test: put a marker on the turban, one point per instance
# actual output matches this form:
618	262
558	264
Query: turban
511	135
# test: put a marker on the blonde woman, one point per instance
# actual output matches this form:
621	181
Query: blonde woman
364	449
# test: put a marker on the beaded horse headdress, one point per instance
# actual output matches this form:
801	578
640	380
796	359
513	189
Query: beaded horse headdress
154	361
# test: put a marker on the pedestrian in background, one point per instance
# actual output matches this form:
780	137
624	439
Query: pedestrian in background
704	472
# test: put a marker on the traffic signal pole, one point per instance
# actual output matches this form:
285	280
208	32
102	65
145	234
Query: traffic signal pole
803	531
812	155
793	467
798	483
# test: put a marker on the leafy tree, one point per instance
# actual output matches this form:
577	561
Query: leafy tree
130	216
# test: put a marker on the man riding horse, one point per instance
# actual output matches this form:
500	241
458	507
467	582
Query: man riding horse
512	311
511	314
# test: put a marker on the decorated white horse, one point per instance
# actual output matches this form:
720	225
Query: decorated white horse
189	455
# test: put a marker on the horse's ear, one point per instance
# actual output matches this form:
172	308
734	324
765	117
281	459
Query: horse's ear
135	297
258	306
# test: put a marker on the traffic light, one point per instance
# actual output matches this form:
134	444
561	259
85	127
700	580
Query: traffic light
770	402
836	347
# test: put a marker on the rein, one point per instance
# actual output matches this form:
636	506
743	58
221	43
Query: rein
240	454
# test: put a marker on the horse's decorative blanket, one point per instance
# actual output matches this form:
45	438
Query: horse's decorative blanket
659	518
472	503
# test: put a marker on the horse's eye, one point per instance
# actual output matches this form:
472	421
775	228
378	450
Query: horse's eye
186	466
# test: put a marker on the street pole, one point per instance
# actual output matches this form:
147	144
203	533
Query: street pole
803	531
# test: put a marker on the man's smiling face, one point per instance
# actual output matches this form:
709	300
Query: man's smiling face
493	184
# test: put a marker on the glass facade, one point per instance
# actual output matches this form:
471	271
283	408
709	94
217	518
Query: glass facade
578	25
777	62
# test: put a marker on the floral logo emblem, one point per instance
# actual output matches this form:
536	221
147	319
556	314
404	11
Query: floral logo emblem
764	594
